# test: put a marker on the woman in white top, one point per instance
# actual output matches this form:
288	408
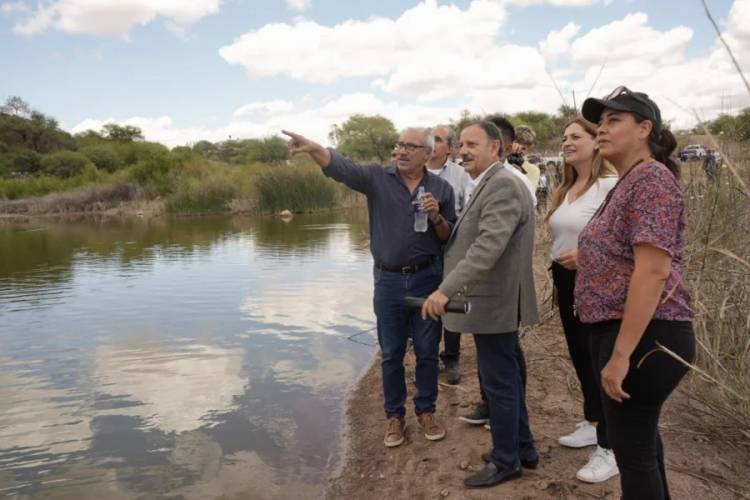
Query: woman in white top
587	178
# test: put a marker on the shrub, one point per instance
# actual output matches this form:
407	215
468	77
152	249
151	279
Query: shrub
133	152
64	163
154	173
105	158
15	189
23	162
268	150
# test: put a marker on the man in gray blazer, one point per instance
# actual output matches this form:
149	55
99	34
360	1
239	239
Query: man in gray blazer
488	261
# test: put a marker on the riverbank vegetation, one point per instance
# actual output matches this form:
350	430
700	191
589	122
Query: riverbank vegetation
44	169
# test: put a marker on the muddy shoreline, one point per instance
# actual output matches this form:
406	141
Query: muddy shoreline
698	466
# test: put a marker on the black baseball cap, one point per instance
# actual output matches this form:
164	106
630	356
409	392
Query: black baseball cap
623	99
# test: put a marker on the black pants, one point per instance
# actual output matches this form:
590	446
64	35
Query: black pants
633	424
451	346
520	359
578	338
512	441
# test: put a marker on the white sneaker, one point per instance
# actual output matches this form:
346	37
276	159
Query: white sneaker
600	467
584	435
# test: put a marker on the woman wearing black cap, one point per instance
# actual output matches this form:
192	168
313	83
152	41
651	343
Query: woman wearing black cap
629	285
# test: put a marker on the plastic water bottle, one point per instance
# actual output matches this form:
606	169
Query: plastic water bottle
420	216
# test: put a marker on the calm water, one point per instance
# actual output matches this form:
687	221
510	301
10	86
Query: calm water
183	358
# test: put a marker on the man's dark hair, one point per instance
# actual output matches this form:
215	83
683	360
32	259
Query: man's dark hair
492	131
506	128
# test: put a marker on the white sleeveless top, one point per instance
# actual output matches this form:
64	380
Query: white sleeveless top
567	222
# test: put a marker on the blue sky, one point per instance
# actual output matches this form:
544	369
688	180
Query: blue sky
182	73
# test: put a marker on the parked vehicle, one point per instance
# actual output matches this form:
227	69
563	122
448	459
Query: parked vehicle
534	158
692	152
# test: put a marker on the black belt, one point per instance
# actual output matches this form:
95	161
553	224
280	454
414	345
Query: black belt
410	269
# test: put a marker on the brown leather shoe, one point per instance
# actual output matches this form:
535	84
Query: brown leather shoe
433	430
394	432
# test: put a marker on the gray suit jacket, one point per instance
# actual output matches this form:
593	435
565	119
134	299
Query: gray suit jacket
488	258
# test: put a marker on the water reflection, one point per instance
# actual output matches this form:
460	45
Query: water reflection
193	358
169	390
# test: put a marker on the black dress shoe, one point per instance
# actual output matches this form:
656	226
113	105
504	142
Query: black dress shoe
491	476
526	463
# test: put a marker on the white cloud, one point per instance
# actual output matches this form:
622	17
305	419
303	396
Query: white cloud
379	46
556	3
466	61
311	119
631	39
557	44
274	106
656	62
299	5
116	19
738	30
8	8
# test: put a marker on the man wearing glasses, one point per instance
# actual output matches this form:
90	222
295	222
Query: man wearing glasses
408	261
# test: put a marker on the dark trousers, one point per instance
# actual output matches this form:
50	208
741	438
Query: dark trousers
506	398
395	324
451	346
578	338
520	358
633	424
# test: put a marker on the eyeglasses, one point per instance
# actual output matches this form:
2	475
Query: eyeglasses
408	146
623	90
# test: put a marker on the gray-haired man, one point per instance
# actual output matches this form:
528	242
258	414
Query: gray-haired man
408	261
441	165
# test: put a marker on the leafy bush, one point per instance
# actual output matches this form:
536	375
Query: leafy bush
268	150
154	173
23	162
133	152
15	189
64	163
105	158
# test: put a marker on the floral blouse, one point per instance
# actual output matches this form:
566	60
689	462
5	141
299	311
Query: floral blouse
646	207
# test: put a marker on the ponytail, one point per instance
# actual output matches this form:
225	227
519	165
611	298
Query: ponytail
662	144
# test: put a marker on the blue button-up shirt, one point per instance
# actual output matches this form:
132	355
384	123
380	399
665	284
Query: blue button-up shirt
393	241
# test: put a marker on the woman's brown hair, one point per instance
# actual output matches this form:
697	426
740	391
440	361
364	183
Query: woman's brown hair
599	168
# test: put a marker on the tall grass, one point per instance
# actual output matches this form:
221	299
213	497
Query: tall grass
718	272
204	186
298	189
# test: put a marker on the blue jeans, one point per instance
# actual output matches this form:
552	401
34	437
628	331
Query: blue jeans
501	382
396	324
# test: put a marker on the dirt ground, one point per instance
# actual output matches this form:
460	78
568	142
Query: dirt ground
699	467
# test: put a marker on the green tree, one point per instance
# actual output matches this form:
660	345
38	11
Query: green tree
15	106
155	173
365	137
64	163
542	124
132	152
463	121
269	150
105	158
122	133
206	149
38	133
20	163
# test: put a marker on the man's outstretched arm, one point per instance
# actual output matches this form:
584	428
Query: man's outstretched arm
299	144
